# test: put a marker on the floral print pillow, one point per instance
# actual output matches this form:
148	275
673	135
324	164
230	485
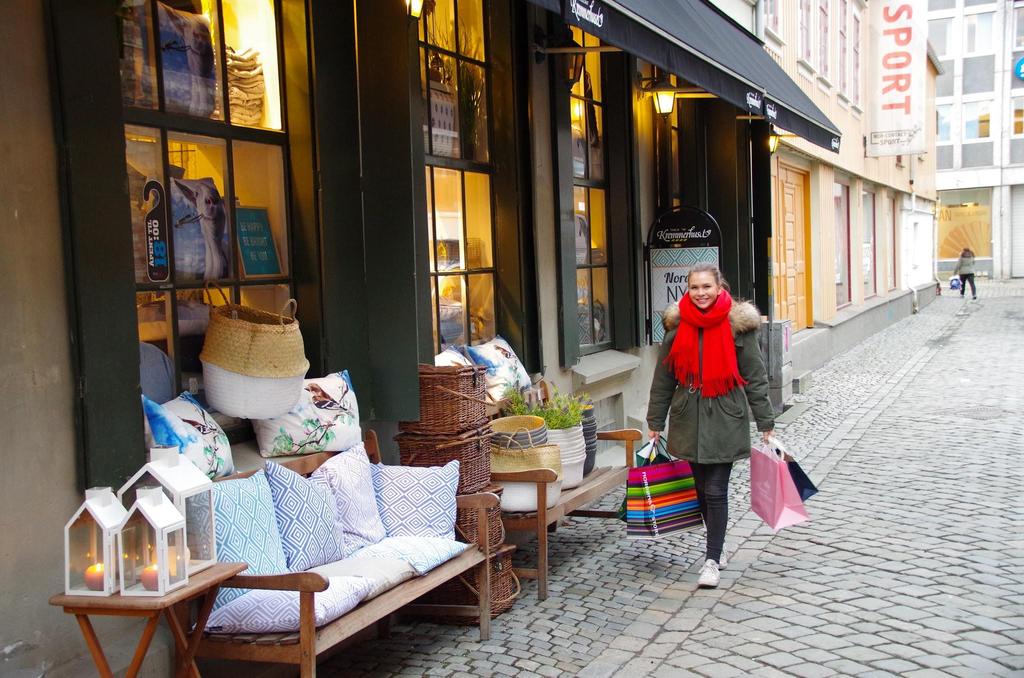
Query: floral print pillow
325	419
504	370
216	458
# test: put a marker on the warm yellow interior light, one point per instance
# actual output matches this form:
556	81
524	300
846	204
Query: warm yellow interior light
773	142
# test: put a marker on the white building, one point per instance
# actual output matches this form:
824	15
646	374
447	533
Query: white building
980	141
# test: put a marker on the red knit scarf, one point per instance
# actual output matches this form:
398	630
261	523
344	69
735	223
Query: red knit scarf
719	372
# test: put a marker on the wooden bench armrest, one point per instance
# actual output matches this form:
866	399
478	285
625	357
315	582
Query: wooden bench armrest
540	475
294	581
626	435
482	500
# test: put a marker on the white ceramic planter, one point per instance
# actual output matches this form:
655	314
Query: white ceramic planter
573	451
522	497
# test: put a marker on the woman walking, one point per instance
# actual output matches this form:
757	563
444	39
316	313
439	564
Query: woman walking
965	269
709	369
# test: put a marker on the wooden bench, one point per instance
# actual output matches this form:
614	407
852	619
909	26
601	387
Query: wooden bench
598	483
306	645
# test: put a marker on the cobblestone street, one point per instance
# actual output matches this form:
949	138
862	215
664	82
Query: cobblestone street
912	563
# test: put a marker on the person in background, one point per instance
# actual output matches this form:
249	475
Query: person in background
965	269
709	369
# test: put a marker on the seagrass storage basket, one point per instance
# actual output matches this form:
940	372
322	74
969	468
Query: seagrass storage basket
452	400
471	448
253	361
462	590
466	523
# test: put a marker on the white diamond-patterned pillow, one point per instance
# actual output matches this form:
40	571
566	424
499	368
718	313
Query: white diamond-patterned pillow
246	529
348	475
417	502
305	519
278	611
422	553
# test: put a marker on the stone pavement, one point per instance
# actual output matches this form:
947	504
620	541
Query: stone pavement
912	564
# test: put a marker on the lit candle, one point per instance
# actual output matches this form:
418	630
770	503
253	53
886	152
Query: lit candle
151	578
94	577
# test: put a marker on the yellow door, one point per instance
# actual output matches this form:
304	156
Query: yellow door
789	250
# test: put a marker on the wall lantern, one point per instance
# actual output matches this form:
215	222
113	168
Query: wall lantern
190	491
664	100
774	137
90	545
415	7
152	546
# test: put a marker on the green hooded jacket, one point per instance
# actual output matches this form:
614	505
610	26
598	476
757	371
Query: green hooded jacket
713	430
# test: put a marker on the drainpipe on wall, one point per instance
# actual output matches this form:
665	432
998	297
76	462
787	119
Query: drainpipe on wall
759	20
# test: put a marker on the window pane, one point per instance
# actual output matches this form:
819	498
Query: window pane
199	207
602	318
942	115
841	200
269	298
938	35
598	228
582	209
144	160
433	315
471	29
579	141
583	296
451	310
1018	41
154	321
868	253
595	141
190	60
261	214
675	183
978	32
577	86
440	20
448	243
481	307
1018	115
478	221
430	217
254	87
472	96
444	112
976	120
592	75
138	56
426	102
193	316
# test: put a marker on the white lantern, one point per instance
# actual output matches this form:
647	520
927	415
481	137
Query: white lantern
152	545
90	543
190	491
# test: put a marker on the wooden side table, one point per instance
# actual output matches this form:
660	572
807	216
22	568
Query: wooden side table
206	583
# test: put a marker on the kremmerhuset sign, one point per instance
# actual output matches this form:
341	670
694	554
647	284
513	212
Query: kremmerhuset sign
587	12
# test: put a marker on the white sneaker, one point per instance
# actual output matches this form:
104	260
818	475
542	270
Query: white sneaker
722	562
709	576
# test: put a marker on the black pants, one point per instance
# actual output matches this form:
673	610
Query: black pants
712	481
967	278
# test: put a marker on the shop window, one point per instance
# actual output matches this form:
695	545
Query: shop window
841	202
868	254
964	220
226	238
455	80
590	191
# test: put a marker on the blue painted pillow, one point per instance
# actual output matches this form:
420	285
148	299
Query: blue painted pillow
217	459
167	428
417	502
305	518
246	529
423	554
504	370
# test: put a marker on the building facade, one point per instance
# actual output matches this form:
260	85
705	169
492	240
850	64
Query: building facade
980	118
853	235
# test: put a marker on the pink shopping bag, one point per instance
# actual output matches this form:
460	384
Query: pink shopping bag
773	495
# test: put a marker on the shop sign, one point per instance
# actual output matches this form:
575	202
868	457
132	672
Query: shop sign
754	100
1018	69
899	52
158	266
676	242
586	12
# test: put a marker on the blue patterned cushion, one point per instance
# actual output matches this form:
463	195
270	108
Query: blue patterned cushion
504	370
278	611
417	502
348	475
216	448
246	529
167	428
422	553
305	519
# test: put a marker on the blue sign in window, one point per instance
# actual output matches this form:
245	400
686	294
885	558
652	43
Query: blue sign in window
1018	68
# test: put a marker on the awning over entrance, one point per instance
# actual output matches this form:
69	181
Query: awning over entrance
692	40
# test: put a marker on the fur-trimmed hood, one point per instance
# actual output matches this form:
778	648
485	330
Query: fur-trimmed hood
743	316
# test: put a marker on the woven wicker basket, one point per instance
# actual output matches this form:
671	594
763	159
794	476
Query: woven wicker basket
466	523
471	448
452	400
254	343
462	590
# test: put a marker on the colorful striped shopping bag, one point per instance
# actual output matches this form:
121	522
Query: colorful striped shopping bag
661	499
